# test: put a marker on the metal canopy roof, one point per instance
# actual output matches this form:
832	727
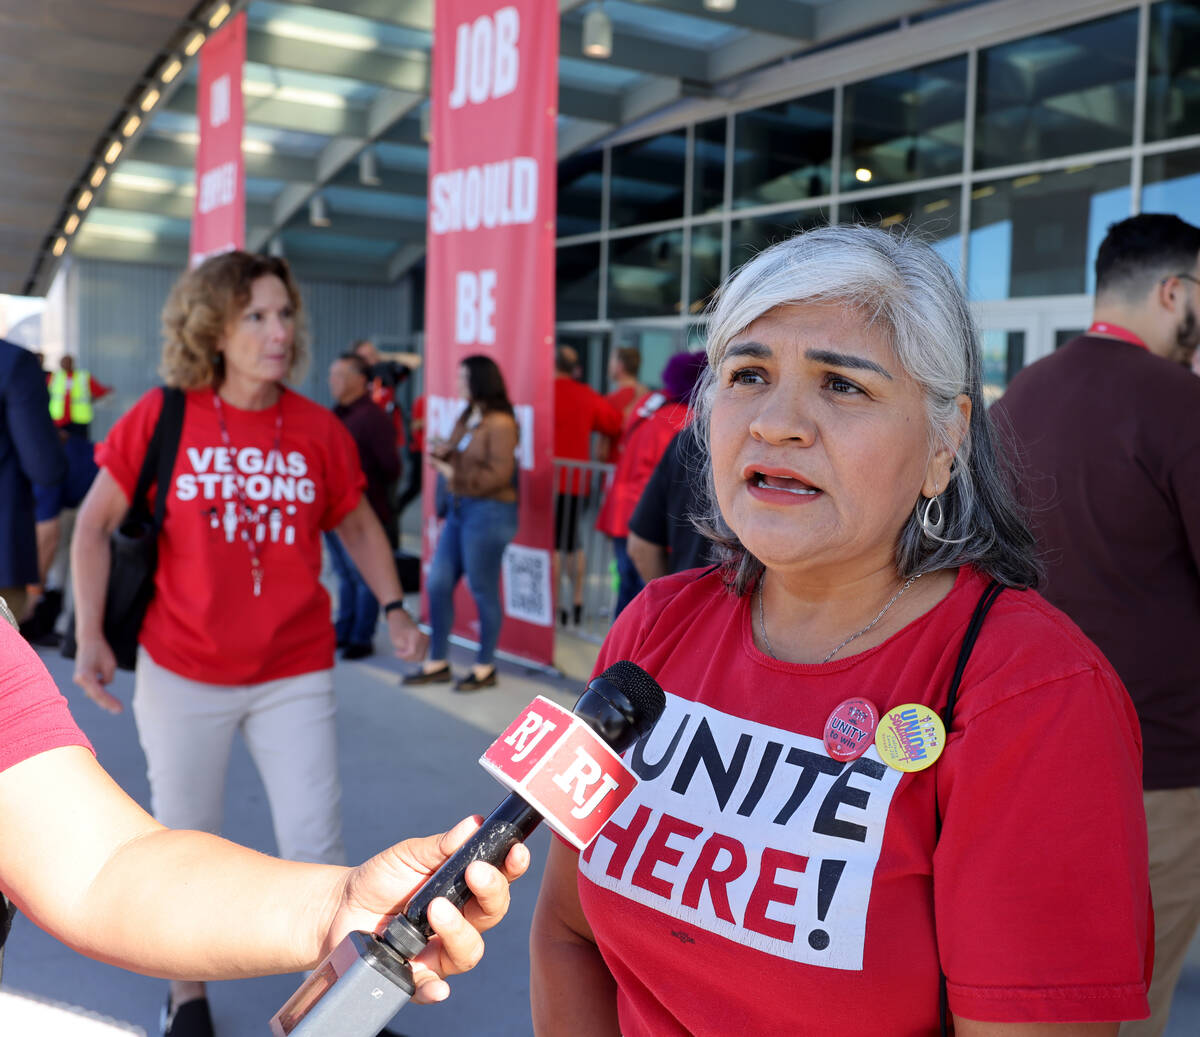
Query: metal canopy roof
334	92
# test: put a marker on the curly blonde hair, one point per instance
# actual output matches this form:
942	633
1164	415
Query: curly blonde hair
200	307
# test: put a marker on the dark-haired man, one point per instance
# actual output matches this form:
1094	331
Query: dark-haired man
357	609
1108	434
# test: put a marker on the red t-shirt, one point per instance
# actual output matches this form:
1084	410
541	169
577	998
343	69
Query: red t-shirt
418	424
204	622
747	854
622	400
645	443
33	715
578	412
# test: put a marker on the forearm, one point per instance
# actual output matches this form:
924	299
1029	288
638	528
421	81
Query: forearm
366	543
571	989
90	561
648	558
244	914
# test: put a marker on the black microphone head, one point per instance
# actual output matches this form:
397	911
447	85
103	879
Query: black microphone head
622	704
642	690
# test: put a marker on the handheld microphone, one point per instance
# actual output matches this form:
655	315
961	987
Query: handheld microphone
367	979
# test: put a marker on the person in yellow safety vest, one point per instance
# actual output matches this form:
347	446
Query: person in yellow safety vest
72	393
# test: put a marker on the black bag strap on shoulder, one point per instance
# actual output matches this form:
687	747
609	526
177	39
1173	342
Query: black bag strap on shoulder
986	600
160	454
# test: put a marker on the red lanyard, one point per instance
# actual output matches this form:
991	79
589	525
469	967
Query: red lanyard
1101	327
246	516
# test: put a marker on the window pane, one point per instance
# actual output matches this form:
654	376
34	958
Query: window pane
1003	357
1063	93
751	235
931	215
577	282
1172	184
782	153
706	265
708	167
1173	89
647	180
1038	234
644	274
580	181
905	126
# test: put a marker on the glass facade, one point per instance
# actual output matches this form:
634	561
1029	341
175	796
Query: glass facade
1037	234
1011	157
645	272
904	126
1061	93
646	185
783	153
1173	76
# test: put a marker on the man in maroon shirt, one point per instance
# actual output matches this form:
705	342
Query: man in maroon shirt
1107	434
374	435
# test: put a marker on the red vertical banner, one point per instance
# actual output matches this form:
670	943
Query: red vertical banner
219	212
490	268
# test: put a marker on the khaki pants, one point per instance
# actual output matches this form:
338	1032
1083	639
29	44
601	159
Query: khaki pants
187	730
1173	825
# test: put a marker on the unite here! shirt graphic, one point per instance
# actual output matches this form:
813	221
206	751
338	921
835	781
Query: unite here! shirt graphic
749	832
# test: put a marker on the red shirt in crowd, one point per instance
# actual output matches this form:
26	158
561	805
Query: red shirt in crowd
205	623
578	412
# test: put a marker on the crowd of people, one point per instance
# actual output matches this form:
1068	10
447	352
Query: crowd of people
926	666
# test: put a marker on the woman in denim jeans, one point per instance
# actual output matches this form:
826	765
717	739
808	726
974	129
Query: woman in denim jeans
479	464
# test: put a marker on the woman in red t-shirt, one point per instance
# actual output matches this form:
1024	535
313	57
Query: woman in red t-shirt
807	850
238	634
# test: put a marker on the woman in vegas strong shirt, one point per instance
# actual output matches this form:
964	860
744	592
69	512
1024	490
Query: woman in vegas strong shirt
238	635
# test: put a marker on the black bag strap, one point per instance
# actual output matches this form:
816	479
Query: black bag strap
986	600
160	454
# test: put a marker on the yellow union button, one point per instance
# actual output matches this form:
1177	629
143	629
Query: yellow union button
910	737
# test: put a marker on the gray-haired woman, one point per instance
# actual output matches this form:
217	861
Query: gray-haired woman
807	853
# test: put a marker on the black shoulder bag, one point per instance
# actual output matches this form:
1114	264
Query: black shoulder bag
986	601
134	543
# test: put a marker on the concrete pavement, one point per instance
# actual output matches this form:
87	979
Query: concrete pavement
408	768
408	761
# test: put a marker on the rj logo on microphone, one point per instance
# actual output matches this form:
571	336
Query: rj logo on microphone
562	768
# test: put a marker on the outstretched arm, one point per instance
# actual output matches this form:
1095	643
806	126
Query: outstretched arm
88	865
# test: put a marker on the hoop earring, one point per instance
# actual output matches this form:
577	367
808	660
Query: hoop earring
932	527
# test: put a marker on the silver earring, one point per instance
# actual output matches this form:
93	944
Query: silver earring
932	526
933	521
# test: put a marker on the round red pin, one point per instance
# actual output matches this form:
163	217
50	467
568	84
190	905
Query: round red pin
850	729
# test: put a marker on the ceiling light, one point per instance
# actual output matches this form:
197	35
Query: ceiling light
131	125
71	224
368	169
862	175
720	5
325	37
98	175
84	200
317	216
149	99
114	150
60	246
171	70
218	16
426	123
194	44
597	34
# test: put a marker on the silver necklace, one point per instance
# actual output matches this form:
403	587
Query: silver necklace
762	624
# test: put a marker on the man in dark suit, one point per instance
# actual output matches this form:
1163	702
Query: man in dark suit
30	451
